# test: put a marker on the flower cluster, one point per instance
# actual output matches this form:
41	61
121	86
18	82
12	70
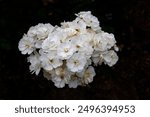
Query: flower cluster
66	54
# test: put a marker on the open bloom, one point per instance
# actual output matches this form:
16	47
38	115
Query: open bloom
74	81
26	45
66	54
76	63
104	41
40	32
87	75
97	58
35	66
50	61
43	30
89	19
110	58
78	26
65	50
62	76
51	43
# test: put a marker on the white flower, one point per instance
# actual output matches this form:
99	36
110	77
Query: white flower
62	34
62	76
38	43
51	43
78	42
26	45
82	44
104	41
76	63
89	19
110	57
88	37
41	31
66	53
63	73
82	40
87	75
100	44
32	32
97	58
87	51
109	38
65	50
50	61
66	33
35	66
78	25
58	82
116	48
74	81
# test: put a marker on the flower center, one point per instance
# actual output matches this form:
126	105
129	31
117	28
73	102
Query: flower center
51	61
66	50
87	74
77	46
27	46
76	62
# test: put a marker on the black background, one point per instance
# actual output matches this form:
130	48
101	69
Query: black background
129	20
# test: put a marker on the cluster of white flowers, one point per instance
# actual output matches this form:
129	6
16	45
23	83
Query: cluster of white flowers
66	53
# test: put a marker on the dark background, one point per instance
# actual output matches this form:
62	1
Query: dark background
129	20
